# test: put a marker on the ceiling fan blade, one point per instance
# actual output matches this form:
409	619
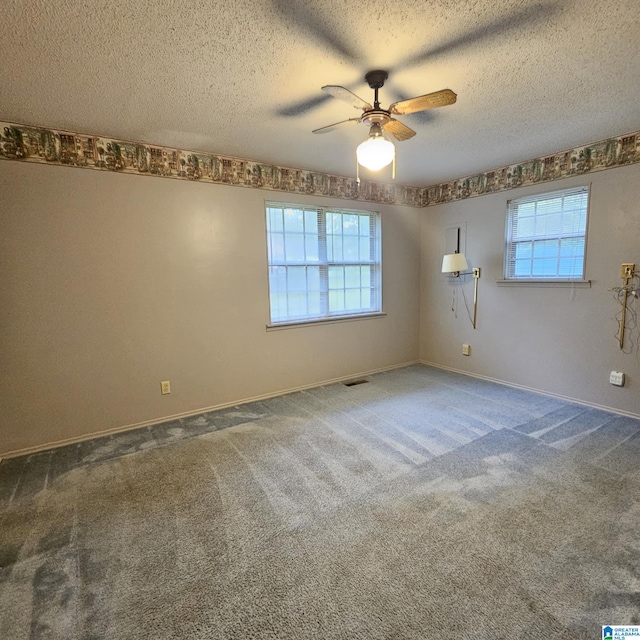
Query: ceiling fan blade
422	103
398	130
344	94
331	127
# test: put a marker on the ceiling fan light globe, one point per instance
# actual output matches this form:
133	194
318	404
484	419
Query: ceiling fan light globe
375	153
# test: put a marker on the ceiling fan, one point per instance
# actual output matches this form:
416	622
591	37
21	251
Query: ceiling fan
380	118
377	152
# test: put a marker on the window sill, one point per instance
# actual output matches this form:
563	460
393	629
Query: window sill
294	324
538	282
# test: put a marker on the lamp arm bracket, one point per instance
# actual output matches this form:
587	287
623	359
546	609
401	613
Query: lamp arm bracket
475	272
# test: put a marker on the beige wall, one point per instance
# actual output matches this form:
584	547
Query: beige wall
113	283
557	340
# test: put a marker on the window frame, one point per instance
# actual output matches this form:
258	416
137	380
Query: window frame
557	280
324	262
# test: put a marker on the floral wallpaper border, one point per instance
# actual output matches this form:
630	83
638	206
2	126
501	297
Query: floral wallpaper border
49	146
597	156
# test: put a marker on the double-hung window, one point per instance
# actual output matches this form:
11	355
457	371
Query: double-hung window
324	263
546	236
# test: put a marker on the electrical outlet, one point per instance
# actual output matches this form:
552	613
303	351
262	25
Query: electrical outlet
617	378
466	349
165	387
627	269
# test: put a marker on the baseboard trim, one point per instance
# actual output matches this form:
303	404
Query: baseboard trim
594	405
187	414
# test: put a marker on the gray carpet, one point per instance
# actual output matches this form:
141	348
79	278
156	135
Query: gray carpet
422	504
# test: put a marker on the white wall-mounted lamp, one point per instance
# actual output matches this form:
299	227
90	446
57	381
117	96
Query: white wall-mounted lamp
456	265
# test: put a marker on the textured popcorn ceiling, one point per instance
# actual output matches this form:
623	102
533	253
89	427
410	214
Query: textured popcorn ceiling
243	78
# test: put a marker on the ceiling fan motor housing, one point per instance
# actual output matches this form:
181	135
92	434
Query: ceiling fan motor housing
376	78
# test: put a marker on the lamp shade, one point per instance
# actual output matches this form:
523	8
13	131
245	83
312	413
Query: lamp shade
375	152
454	262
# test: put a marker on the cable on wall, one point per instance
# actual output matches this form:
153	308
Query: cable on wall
626	295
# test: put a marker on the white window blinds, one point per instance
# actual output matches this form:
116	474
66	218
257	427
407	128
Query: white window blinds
546	235
323	262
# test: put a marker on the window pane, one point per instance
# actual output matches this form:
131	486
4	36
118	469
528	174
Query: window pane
545	248
572	247
279	307
571	257
311	247
336	301
276	247
523	268
571	223
364	248
352	299
524	250
526	227
311	222
313	304
293	220
351	248
313	278
527	209
544	267
336	277
337	249
275	220
364	226
350	224
297	279
278	279
297	305
570	267
549	225
352	277
294	247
